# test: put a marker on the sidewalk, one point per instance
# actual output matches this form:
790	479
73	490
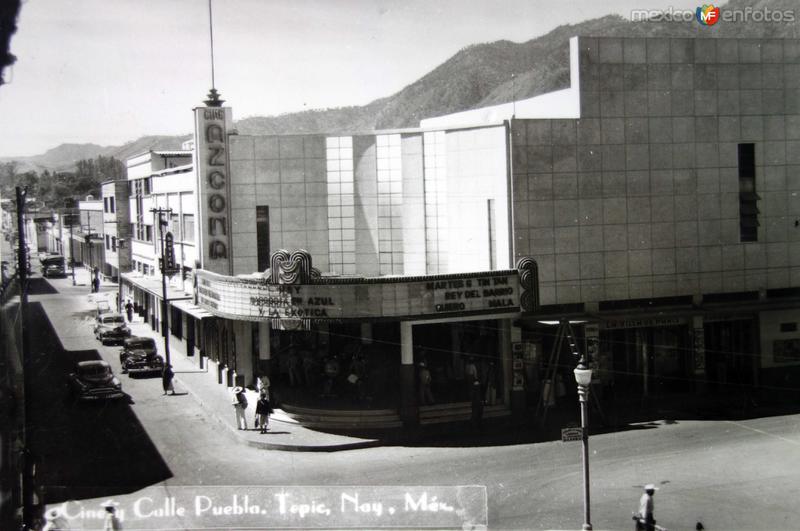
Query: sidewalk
284	433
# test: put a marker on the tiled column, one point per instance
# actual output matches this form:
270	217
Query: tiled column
409	410
264	352
244	352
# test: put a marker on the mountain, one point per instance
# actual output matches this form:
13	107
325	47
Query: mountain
476	76
64	156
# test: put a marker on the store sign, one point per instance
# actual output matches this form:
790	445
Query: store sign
642	323
374	298
212	167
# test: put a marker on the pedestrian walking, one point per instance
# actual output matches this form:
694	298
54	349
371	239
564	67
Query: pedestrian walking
476	398
240	405
425	394
470	375
263	411
490	396
111	521
129	310
645	521
95	280
293	364
167	374
262	384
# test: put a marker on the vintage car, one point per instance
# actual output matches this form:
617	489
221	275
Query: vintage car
111	327
94	380
133	343
53	265
142	362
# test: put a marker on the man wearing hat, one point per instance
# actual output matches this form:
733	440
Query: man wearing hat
111	522
239	405
55	521
645	520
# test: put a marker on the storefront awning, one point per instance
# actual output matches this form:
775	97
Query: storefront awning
187	307
152	285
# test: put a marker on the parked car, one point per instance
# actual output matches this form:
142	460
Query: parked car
133	343
142	362
111	327
53	266
94	380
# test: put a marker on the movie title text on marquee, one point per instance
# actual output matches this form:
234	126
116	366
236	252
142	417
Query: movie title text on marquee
255	299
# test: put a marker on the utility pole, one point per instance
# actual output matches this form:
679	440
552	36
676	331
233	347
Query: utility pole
163	266
71	251
22	270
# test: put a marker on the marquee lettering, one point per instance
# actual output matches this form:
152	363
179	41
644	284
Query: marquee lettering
216	180
215	194
213	223
217	249
215	133
216	203
217	157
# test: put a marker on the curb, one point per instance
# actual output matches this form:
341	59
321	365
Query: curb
276	446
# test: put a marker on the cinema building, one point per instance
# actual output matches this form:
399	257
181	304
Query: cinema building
658	195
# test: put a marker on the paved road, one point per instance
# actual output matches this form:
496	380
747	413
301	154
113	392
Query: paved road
729	475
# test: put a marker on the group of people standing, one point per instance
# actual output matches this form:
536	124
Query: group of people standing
263	405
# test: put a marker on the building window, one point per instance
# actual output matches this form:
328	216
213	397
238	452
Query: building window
114	243
105	204
188	227
148	233
175	227
748	198
390	202
341	210
435	181
262	237
111	206
108	243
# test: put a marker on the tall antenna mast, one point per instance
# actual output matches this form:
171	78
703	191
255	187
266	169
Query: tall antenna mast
213	96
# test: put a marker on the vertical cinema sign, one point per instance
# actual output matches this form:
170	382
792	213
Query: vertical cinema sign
213	176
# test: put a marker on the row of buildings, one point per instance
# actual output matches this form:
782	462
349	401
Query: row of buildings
657	197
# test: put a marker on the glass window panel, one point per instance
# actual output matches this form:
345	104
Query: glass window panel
349	246
334	165
347	164
348	223
347	200
347	187
332	142
332	154
335	223
348	234
334	188
346	142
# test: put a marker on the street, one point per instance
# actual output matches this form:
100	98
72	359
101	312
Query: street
725	474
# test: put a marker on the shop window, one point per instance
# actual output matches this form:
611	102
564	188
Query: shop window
748	198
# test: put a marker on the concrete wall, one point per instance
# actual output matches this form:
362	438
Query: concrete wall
286	173
639	197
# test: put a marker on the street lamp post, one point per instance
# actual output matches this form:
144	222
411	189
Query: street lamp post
583	377
164	307
71	251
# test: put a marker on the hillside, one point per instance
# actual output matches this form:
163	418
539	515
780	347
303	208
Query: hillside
476	76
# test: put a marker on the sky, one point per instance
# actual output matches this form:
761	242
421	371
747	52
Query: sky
108	72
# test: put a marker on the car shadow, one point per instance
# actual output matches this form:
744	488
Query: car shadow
40	286
83	450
